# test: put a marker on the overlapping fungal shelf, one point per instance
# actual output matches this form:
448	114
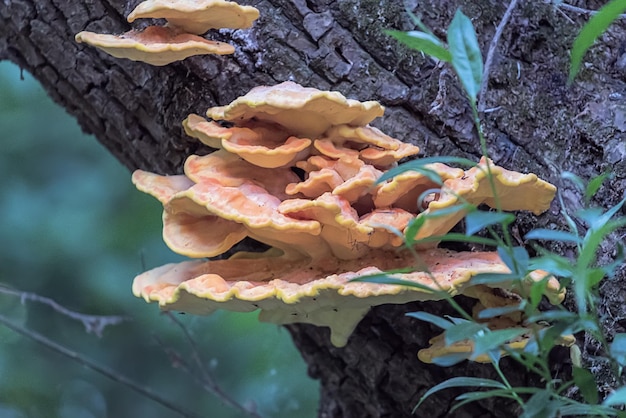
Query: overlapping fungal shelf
179	38
326	225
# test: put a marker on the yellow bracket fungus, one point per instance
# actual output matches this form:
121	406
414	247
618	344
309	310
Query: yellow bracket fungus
197	16
154	45
325	228
162	45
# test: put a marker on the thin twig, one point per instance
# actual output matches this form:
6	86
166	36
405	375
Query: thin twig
582	11
103	370
94	324
195	351
206	380
491	52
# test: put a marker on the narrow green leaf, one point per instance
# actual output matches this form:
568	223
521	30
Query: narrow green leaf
386	278
582	410
461	382
618	349
493	340
553	264
593	239
416	20
568	219
590	32
466	331
493	278
417	165
552	235
594	276
497	392
493	312
433	319
479	219
456	321
590	216
424	42
537	289
611	212
450	359
467	59
578	182
594	185
554	315
466	398
586	383
616	398
539	405
515	258
412	229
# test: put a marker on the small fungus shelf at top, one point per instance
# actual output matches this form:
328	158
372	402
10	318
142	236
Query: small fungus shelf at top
333	225
179	39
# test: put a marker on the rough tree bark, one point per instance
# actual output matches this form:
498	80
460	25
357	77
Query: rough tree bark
536	124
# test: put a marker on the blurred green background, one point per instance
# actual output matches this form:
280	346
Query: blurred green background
73	228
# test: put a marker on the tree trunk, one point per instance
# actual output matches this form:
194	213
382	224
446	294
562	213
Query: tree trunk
533	123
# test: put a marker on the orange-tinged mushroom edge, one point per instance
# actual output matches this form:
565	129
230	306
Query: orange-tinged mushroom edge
306	291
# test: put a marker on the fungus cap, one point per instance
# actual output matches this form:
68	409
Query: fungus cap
303	111
154	45
304	290
197	16
262	145
465	348
514	191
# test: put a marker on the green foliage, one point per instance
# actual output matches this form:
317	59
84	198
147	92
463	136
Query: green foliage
467	60
422	41
596	26
581	272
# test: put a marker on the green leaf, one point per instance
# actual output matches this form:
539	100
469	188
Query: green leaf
594	185
552	235
553	264
465	331
419	165
515	258
537	290
467	60
468	397
479	219
493	278
539	405
586	383
618	349
554	315
461	382
493	312
582	410
413	228
596	219
590	32
578	182
433	319
417	21
616	398
424	42
450	359
493	340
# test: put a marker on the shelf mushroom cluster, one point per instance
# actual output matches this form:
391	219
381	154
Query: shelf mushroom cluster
296	169
179	38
